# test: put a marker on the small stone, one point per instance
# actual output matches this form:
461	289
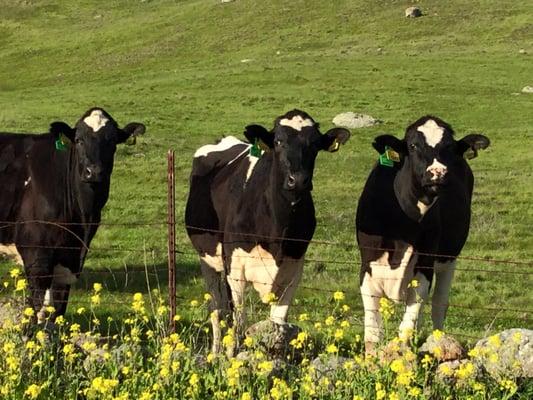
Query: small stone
353	120
227	1
527	89
443	348
413	12
274	338
246	60
522	51
459	372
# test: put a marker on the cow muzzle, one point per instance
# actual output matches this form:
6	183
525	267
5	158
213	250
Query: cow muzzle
92	174
298	181
435	176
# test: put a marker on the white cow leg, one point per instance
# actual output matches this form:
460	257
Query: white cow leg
237	285
444	272
373	322
416	297
217	288
289	276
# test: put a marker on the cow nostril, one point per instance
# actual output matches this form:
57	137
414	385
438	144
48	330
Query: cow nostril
291	181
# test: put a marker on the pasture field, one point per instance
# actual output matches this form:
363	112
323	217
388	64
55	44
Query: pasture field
194	70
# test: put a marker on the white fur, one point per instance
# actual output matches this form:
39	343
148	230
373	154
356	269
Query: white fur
96	120
225	144
416	297
432	132
297	122
437	169
253	161
423	208
11	251
63	276
215	261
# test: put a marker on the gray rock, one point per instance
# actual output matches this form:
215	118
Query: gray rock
457	372
273	338
327	367
353	120
445	348
413	12
509	354
527	89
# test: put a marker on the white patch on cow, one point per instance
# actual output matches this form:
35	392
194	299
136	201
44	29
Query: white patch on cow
423	208
384	282
259	268
27	181
10	250
63	276
253	161
214	261
432	132
416	298
437	169
47	301
225	144
443	282
96	120
297	122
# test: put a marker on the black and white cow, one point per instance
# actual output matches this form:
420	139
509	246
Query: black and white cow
54	187
243	211
415	205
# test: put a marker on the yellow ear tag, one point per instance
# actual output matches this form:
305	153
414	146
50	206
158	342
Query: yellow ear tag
334	146
469	154
392	155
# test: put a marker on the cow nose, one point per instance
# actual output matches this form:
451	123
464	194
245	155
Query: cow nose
437	171
291	181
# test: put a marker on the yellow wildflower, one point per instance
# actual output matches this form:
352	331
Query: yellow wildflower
338	296
33	391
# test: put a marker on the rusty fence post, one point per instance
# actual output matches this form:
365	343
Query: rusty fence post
171	222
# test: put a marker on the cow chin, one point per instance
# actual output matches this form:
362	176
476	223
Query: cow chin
433	189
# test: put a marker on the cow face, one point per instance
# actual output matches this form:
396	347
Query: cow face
95	138
295	141
430	151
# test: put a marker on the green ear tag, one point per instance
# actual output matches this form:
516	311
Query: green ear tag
61	142
389	157
255	150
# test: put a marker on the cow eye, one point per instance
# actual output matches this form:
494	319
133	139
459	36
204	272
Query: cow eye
277	142
78	141
412	147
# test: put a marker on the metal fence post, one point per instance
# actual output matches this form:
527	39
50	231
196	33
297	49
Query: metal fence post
171	220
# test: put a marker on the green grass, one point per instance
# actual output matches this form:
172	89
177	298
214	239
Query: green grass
176	66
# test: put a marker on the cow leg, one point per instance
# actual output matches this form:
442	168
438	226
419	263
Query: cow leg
39	278
219	305
444	272
237	284
416	297
285	285
373	322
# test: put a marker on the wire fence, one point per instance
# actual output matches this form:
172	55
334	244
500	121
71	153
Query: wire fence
349	264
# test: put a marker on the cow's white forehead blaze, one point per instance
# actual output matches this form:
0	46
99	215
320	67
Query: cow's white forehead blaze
297	122
96	120
432	132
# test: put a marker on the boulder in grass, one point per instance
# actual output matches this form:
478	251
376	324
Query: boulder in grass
527	89
413	12
353	120
443	347
458	372
506	354
273	338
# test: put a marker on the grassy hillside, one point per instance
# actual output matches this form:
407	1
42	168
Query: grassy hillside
194	70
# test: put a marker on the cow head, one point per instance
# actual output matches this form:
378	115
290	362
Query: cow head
95	137
295	142
430	151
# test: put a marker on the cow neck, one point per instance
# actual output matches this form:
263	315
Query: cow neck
284	205
409	193
82	198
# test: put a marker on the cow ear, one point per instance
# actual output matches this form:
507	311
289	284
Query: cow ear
332	139
383	141
470	144
130	132
257	133
60	128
